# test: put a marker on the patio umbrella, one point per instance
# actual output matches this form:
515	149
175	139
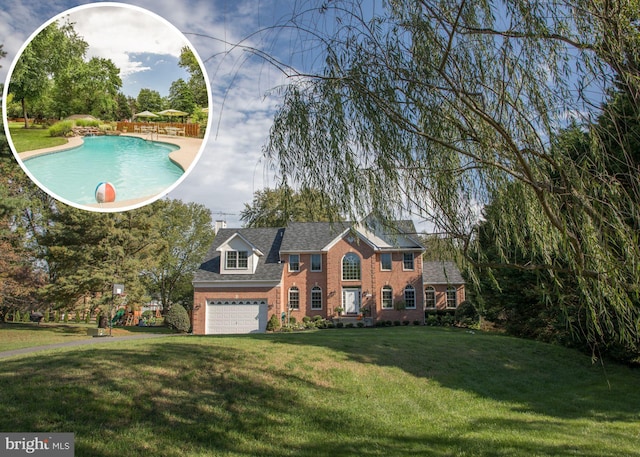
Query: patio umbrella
172	113
145	114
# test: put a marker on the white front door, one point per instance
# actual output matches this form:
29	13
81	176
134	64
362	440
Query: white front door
351	301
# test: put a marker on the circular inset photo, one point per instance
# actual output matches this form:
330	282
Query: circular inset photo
106	107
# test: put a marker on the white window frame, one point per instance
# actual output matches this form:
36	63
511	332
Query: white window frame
430	290
233	260
454	291
382	255
297	262
316	290
319	257
359	263
389	300
294	298
404	261
409	288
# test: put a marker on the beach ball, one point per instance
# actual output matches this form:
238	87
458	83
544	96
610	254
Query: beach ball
105	193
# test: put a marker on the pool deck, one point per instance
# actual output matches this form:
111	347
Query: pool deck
183	157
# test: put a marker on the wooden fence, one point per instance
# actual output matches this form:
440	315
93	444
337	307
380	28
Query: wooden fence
167	128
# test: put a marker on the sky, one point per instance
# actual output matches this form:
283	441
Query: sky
231	167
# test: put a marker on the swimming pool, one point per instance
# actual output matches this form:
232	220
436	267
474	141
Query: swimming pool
136	167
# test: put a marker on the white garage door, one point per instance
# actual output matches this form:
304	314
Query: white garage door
236	316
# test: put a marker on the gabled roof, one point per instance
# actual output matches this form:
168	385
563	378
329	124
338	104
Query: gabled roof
321	236
311	236
237	234
266	240
444	272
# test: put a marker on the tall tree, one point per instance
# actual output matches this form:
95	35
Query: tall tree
187	233
430	107
149	100
196	82
278	207
55	50
181	97
88	252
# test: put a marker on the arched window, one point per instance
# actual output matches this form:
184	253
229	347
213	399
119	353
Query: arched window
452	297
294	298
430	297
316	298
387	297
351	267
410	297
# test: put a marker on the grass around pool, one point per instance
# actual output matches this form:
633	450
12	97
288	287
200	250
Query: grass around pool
32	138
402	391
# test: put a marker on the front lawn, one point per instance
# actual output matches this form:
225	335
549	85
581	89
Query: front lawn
403	391
32	138
23	335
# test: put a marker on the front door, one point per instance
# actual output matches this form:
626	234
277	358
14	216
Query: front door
351	301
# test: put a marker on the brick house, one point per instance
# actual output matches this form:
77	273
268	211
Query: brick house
339	270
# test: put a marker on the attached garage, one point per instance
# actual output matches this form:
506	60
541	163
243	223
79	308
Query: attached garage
236	316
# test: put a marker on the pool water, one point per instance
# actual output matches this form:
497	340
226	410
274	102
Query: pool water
136	167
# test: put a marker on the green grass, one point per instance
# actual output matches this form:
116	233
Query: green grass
369	392
24	335
32	138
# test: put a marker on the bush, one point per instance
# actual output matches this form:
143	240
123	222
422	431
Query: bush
87	123
62	128
432	320
466	315
16	316
339	325
416	322
177	319
350	325
292	320
309	324
397	323
330	325
306	319
405	322
318	318
360	324
388	323
273	324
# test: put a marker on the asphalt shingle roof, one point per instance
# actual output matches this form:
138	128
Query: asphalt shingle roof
441	273
269	268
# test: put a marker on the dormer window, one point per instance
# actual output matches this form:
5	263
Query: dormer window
237	260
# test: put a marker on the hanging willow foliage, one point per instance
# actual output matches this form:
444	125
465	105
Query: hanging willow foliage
435	107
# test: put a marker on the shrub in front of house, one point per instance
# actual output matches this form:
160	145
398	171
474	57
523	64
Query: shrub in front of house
397	323
360	324
467	315
340	325
177	319
416	322
273	324
405	322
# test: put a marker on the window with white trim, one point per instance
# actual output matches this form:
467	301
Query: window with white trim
294	298
452	297
407	261
387	297
316	298
351	267
316	262
294	262
237	260
410	297
430	297
385	261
